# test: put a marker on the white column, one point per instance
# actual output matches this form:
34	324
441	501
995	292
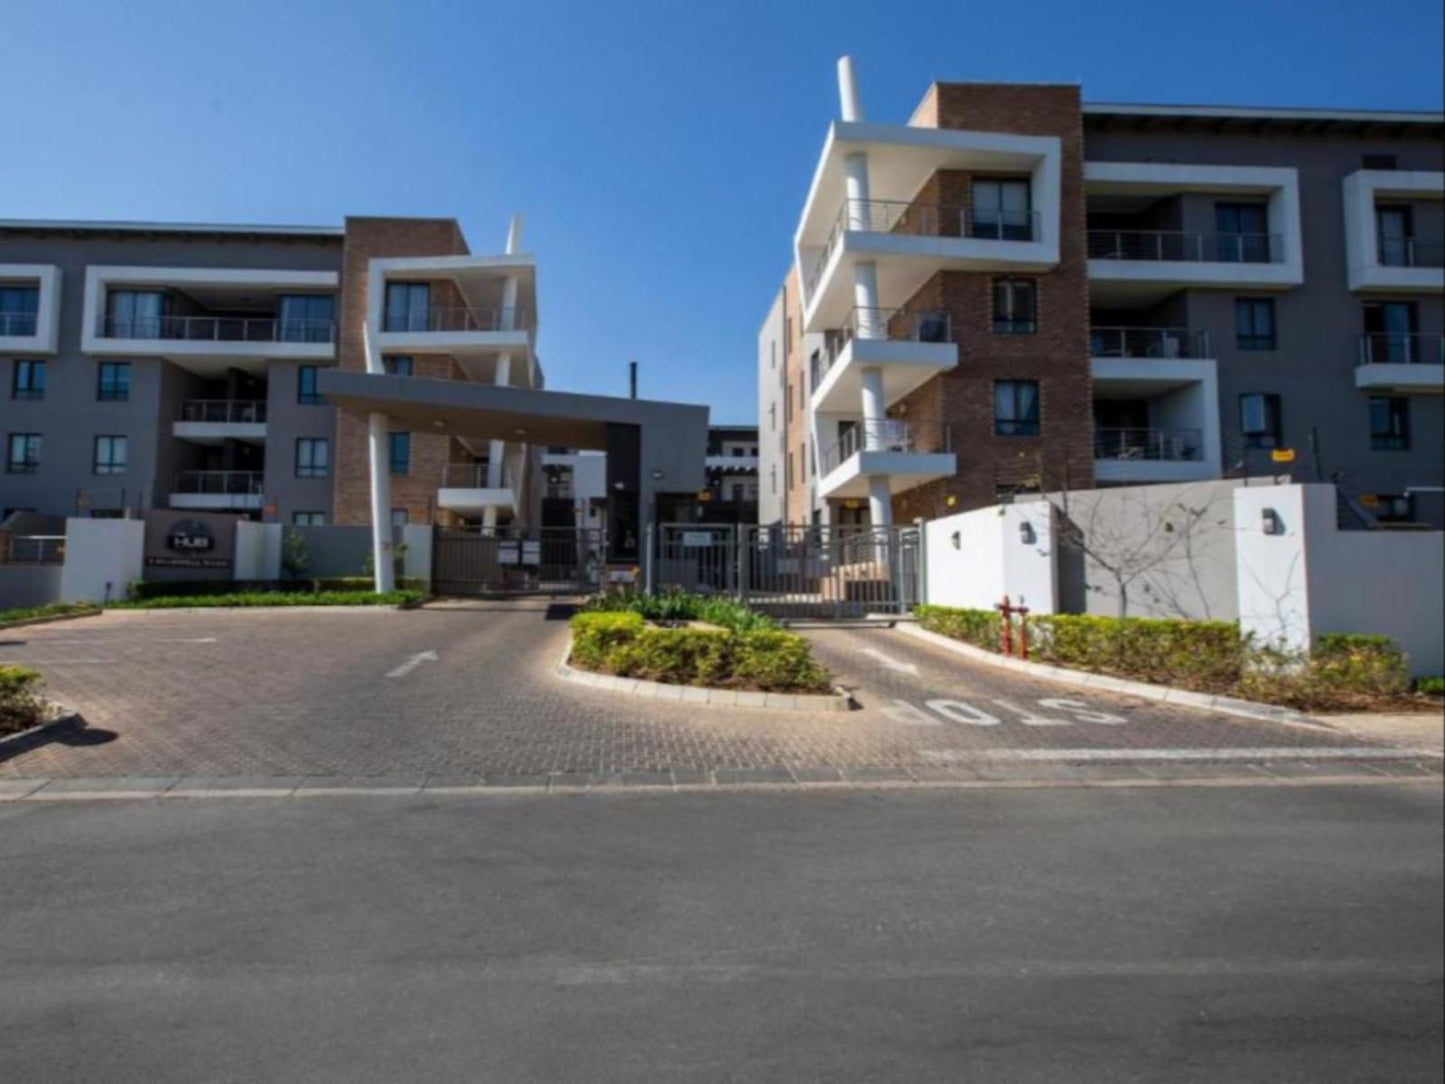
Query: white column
868	317
855	187
875	411
850	105
880	502
381	549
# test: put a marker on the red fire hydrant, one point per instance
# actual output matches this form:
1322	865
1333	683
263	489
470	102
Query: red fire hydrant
1008	643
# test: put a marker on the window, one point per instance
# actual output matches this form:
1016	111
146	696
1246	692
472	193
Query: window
135	314
308	519
773	351
1390	333
18	306
1254	323
738	490
1259	420
306	318
1016	408
28	380
1001	210
1389	423
399	517
1393	508
790	468
407	306
110	455
1243	232
24	455
1395	229
1013	306
397	365
772	417
398	452
313	457
306	392
113	381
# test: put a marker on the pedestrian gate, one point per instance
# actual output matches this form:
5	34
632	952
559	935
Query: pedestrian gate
801	571
525	560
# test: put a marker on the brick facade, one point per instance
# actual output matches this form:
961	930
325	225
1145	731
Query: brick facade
368	239
797	458
1056	354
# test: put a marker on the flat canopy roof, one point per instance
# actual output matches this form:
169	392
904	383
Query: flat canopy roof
490	412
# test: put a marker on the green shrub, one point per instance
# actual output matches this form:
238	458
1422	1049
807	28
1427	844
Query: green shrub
20	705
777	661
140	590
1344	671
273	598
53	609
977	627
1430	686
596	635
674	605
1202	655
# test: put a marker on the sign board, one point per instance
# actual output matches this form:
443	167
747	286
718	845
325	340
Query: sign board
1282	455
531	552
621	575
696	540
1369	500
508	553
198	541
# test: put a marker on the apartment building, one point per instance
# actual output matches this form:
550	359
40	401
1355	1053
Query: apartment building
1016	290
166	366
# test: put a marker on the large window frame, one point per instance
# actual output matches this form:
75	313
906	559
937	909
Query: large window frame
1241	232
19	310
308	519
23	453
1261	419
1015	306
1016	408
306	393
110	454
1001	208
27	381
398	453
313	457
112	381
1389	423
407	307
1255	326
135	314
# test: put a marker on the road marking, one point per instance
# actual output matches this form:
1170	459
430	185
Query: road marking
890	662
1328	752
64	662
412	663
124	640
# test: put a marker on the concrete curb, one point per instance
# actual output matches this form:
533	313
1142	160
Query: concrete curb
1165	694
841	700
61	716
49	620
360	608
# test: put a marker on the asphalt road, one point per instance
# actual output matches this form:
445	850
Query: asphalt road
1185	934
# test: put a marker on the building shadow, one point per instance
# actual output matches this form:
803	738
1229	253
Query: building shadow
71	731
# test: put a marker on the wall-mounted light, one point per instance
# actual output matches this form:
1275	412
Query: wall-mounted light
657	476
956	540
1273	524
1026	533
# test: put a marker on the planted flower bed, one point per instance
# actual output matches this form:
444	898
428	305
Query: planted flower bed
680	639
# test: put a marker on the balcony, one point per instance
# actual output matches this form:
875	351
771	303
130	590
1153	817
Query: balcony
1393	260
212	421
908	349
465	490
1400	362
732	463
29	308
1151	362
1150	455
908	454
1161	261
218	490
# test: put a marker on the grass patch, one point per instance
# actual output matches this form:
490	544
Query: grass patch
141	590
271	598
1344	672
53	609
1430	686
745	651
20	703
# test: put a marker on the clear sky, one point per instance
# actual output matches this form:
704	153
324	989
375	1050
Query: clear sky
661	151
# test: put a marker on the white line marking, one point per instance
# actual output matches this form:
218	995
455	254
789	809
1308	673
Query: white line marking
890	662
412	663
119	640
1330	752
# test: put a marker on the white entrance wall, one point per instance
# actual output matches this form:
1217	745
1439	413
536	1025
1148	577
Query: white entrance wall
1311	578
258	551
416	558
975	558
102	556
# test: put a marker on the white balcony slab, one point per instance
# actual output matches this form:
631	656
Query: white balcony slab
46	338
1361	192
1143	377
905	366
218	432
904	470
476	351
217	502
1419	378
473	501
1145	471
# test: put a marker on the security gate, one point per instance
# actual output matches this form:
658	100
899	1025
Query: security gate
797	571
517	560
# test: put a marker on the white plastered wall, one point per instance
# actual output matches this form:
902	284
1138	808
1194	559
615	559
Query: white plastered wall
975	558
102	556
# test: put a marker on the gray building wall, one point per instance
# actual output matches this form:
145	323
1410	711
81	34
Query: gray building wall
1318	324
70	416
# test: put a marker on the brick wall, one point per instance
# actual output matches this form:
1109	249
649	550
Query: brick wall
796	508
367	239
1056	355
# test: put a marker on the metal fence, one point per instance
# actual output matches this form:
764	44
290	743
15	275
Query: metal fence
35	549
517	560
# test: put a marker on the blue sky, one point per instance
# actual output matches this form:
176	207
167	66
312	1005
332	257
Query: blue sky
660	151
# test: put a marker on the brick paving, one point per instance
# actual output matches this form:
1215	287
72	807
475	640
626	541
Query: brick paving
232	694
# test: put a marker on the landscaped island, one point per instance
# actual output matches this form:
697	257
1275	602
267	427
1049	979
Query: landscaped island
682	639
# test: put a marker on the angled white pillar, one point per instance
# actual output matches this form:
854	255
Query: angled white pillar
856	188
880	502
381	549
850	106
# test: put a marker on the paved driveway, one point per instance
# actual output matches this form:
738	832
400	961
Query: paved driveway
466	690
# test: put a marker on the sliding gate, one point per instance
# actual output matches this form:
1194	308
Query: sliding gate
517	560
799	571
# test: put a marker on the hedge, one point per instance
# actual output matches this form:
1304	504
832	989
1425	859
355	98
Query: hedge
139	590
625	644
677	605
272	598
20	704
53	609
1342	672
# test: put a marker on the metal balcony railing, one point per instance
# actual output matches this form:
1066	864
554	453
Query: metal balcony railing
1174	445
558	491
894	324
1411	252
1148	342
229	329
226	411
923	220
474	476
457	319
35	549
884	435
1391	348
17	323
231	483
1182	247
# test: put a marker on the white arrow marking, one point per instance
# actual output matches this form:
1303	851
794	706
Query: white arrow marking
890	662
412	663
